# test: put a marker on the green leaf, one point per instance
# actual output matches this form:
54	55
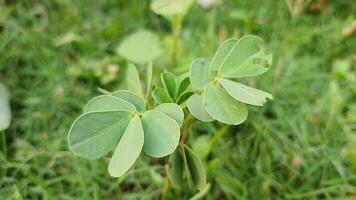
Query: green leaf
141	47
94	134
244	93
222	107
187	174
183	84
171	7
199	73
176	170
160	95
108	103
169	83
201	145
197	108
203	192
132	98
5	111
172	110
229	184
246	59
182	99
196	168
220	55
128	149
133	80
161	134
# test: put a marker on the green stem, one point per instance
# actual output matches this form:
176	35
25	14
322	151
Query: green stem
176	28
218	135
167	184
186	128
3	147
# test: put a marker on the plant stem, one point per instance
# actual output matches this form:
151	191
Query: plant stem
176	27
167	183
186	127
3	147
218	135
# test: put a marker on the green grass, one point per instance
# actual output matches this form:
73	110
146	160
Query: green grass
299	146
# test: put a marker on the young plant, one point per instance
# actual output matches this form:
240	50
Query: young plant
217	97
121	122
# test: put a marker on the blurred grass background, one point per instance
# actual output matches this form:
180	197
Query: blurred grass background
56	54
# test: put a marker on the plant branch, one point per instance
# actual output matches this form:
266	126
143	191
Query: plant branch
186	128
167	183
176	28
218	135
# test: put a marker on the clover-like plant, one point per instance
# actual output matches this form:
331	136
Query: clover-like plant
120	122
218	96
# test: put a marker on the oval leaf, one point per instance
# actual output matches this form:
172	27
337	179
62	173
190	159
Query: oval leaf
161	96
182	99
187	174
132	98
220	55
171	7
161	133
196	107
108	103
128	149
196	168
246	59
169	83
94	134
176	170
199	73
244	93
183	84
222	107
5	111
172	110
133	80
141	47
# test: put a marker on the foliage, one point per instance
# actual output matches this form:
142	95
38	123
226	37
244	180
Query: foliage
217	96
175	90
169	8
121	120
141	47
298	146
